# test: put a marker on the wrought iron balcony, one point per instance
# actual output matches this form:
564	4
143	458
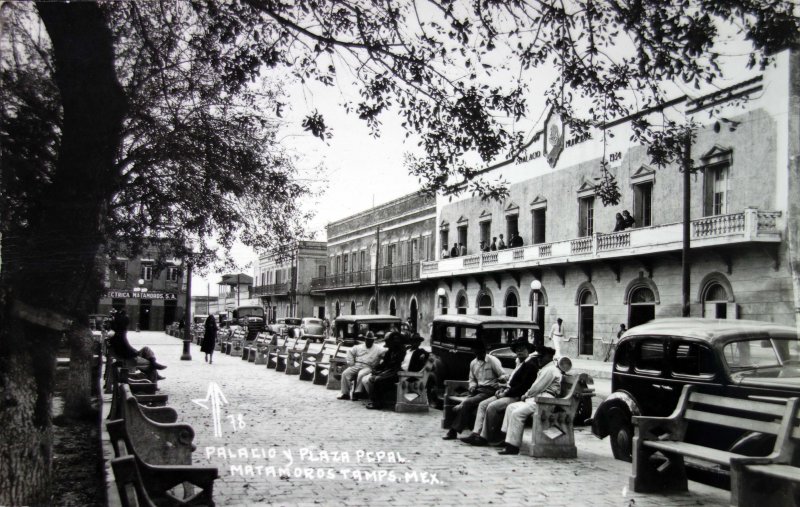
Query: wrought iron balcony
751	225
275	289
387	275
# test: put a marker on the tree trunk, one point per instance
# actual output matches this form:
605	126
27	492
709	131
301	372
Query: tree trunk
78	398
49	275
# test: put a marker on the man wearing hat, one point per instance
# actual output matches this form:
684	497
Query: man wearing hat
491	410
360	360
384	375
548	383
485	374
416	358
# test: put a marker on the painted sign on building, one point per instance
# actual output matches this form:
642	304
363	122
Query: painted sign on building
168	296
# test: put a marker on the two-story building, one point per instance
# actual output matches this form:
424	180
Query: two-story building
232	290
745	156
151	288
374	261
283	280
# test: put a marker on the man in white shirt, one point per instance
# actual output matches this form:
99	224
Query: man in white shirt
557	336
485	375
360	360
547	384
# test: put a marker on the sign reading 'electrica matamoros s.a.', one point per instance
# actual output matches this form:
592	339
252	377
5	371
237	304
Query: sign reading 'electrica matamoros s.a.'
141	295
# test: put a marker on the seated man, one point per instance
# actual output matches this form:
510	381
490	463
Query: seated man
360	360
491	410
485	375
548	383
416	358
384	375
122	350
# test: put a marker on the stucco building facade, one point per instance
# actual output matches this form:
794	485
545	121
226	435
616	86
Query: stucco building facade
745	157
283	280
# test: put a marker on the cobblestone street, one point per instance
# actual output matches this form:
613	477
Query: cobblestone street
284	427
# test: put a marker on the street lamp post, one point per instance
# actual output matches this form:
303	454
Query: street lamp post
187	337
139	289
536	286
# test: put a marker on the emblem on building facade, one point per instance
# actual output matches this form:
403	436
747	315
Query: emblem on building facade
553	138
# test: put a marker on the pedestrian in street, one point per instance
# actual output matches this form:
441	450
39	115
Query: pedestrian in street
485	375
501	245
621	331
557	336
209	339
491	410
547	384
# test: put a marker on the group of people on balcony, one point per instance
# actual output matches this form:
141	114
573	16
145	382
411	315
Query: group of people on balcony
460	250
373	371
624	221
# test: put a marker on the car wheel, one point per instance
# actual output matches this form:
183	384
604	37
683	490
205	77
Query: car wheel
620	434
583	412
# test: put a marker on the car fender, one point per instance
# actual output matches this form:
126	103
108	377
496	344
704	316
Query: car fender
621	399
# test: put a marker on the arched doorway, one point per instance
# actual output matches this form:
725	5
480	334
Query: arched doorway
461	304
641	306
485	304
352	307
392	307
443	304
586	302
338	309
413	315
511	304
715	301
372	309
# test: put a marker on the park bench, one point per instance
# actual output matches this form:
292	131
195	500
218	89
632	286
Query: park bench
315	353
411	392
760	480
260	344
157	443
293	359
152	405
335	367
323	366
554	422
238	340
273	350
155	484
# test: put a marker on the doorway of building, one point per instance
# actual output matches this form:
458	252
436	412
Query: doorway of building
392	307
512	305
586	324
338	309
144	314
170	308
641	307
352	307
412	315
320	312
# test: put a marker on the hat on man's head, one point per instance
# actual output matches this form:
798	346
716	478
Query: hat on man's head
416	337
564	364
370	336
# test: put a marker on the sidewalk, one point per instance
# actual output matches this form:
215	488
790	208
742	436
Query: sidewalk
283	441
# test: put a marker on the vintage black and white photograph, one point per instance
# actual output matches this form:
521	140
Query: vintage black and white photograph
400	252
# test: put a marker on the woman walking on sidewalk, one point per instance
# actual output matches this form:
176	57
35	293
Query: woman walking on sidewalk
209	339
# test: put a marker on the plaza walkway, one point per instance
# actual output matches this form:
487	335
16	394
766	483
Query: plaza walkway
288	442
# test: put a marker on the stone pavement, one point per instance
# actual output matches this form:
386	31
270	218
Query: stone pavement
288	442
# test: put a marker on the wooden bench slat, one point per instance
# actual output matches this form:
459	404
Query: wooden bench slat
787	472
759	407
733	421
694	451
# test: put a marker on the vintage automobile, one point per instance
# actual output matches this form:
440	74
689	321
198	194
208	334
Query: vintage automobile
349	329
735	358
313	329
454	336
281	326
252	319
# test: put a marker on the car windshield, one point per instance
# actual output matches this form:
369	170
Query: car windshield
251	312
746	358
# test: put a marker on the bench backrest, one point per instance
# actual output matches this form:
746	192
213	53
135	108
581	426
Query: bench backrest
129	483
580	384
315	348
748	414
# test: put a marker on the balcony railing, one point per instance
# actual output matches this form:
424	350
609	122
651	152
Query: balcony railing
274	289
749	225
399	273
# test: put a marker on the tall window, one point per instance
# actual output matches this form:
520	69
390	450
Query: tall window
486	232
512	305
172	273
444	239
462	236
538	220
642	204
120	269
716	190
363	262
391	255
414	257
321	271
485	304
586	210
461	305
512	226
146	272
354	262
344	263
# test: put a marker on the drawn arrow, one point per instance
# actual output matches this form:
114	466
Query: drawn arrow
217	399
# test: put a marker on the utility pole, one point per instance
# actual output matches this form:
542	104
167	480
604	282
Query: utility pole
377	264
238	290
685	252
